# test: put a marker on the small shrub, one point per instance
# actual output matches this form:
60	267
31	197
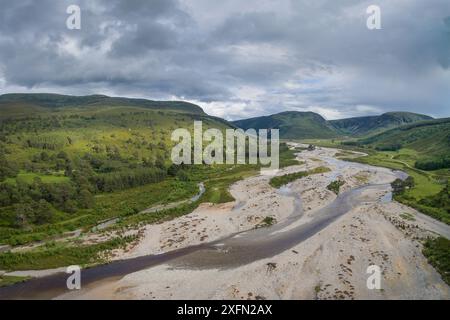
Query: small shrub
335	186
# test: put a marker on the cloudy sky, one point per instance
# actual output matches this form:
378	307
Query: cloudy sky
235	58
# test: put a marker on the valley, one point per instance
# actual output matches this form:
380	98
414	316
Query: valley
421	150
89	181
319	247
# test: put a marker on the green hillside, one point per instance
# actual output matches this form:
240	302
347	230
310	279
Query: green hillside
422	150
60	154
292	125
17	103
430	140
68	163
361	126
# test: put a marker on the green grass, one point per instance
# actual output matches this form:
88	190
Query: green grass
218	190
218	183
407	216
288	157
55	255
134	200
434	212
10	280
427	139
154	217
29	177
437	252
337	143
279	181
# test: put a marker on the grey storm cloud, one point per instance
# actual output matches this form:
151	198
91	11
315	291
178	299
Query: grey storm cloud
236	59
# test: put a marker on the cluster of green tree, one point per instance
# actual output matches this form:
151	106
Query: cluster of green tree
39	123
437	252
35	203
335	186
30	124
43	162
7	168
57	255
279	181
128	178
430	139
389	147
399	186
433	163
32	212
46	142
351	143
66	197
288	156
440	200
101	164
179	171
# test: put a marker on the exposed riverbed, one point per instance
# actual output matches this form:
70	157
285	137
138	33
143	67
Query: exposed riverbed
317	233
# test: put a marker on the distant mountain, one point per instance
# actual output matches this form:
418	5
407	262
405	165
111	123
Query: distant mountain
305	125
361	126
17	102
292	125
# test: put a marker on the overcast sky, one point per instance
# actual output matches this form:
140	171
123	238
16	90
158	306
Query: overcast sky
235	58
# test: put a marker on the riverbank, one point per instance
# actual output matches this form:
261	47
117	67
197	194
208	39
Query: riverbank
330	264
